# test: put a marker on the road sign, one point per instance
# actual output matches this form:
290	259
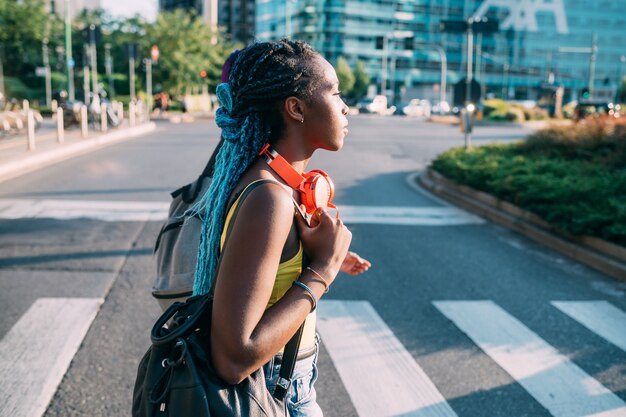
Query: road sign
460	89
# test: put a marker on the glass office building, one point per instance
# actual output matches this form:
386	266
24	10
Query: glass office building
540	42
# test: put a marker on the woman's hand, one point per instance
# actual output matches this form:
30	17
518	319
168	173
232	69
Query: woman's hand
353	264
326	241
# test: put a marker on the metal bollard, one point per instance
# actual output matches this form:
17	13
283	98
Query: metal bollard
120	111
83	121
30	126
53	107
60	131
131	113
103	117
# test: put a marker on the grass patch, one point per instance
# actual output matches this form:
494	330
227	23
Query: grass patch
573	177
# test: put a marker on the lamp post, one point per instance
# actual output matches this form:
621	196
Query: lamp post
46	64
108	67
68	53
94	58
398	34
444	68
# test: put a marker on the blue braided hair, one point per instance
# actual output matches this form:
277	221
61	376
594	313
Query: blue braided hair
263	75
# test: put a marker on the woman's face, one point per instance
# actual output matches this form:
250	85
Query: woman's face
325	119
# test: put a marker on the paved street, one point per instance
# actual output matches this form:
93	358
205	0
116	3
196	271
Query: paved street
456	317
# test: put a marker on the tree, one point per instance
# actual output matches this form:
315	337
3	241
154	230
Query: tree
23	26
187	46
361	81
345	75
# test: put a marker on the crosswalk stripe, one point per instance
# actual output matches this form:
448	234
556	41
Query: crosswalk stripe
552	379
157	211
381	377
407	216
37	351
601	317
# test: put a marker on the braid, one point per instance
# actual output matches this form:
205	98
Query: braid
261	78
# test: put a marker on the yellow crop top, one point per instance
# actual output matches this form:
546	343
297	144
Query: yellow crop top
287	273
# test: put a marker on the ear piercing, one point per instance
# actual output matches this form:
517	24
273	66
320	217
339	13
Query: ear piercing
302	120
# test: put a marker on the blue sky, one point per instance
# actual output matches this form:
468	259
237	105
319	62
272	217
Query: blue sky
126	8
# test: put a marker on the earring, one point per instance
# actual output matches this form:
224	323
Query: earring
302	120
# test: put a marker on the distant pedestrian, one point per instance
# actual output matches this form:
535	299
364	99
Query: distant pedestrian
286	96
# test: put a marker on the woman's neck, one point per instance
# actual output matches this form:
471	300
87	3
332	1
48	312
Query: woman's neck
293	153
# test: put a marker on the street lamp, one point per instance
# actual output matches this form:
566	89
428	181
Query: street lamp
398	34
444	69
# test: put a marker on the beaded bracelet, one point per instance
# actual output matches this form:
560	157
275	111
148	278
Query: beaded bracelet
308	292
321	278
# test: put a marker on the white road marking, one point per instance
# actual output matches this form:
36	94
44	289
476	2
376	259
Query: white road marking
600	317
37	351
73	209
407	216
552	379
381	377
157	211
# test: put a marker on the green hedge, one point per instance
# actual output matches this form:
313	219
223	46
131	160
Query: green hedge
574	180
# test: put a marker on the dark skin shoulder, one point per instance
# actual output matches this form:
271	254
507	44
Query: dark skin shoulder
244	335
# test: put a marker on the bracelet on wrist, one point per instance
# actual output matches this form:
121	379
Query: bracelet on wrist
319	277
308	292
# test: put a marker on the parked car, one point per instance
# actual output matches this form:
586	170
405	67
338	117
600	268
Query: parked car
417	108
376	104
596	109
441	108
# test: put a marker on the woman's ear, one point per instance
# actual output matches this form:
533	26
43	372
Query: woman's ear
294	109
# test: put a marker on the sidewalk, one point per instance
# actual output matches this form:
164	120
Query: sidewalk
16	159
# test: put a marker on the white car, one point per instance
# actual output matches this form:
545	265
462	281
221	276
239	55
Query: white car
417	108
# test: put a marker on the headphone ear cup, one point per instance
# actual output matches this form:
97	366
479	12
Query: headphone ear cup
317	191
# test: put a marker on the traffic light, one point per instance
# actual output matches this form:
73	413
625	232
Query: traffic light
453	26
379	42
584	93
203	74
485	25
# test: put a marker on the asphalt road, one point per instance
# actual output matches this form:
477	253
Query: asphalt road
416	266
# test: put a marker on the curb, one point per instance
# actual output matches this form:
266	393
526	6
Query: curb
596	253
34	162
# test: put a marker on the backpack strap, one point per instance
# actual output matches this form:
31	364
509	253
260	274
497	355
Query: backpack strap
291	349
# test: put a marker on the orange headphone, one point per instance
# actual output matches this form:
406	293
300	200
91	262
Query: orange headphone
315	187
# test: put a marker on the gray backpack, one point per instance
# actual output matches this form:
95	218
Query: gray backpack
176	247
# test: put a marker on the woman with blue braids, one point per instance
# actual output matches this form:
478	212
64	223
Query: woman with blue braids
285	94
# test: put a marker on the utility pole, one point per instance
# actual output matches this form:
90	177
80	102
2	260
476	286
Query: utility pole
68	53
132	52
46	64
479	51
108	67
470	56
86	73
383	74
94	58
444	68
148	62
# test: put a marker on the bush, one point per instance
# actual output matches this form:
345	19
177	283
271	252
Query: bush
561	176
500	110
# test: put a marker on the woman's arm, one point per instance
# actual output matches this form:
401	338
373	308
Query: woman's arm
244	336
